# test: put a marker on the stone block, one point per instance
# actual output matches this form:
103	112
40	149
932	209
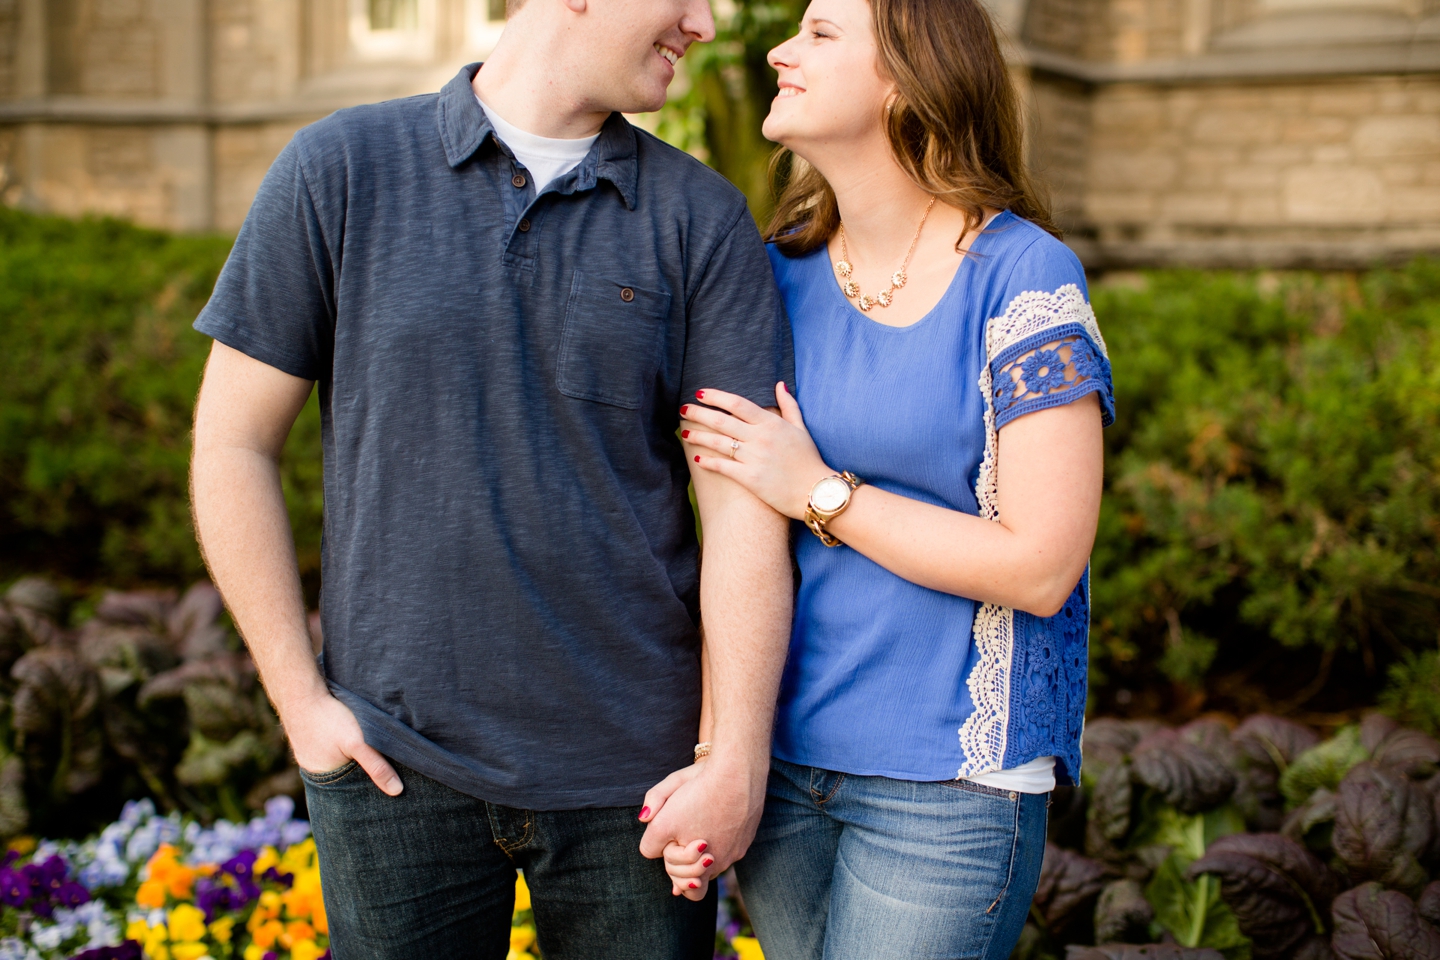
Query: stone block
1119	207
1354	101
1250	177
1412	205
1114	169
1307	129
1332	195
1256	127
1401	174
1393	137
1196	209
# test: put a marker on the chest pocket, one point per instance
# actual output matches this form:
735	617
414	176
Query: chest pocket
613	341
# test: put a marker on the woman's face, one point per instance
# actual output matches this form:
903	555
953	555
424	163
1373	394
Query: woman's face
831	90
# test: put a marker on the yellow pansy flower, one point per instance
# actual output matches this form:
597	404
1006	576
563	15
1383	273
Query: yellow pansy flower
268	858
186	922
188	951
522	893
521	938
305	950
223	929
747	948
254	952
136	930
155	939
23	845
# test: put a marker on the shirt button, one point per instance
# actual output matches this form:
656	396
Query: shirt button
627	294
518	180
524	226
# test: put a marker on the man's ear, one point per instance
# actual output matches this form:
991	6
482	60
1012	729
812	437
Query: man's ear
578	6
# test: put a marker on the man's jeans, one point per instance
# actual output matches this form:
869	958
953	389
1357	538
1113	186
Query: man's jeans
430	875
869	868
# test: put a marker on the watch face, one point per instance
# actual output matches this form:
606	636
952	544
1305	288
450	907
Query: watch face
830	494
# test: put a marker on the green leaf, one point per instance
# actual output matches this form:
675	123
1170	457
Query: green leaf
1323	765
1192	910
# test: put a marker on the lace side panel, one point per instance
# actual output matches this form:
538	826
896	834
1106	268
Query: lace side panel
983	736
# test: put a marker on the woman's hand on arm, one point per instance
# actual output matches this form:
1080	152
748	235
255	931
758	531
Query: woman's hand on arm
776	461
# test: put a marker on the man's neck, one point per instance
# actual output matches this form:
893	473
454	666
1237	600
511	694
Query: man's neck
530	91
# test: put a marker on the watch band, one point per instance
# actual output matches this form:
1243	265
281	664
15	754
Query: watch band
816	521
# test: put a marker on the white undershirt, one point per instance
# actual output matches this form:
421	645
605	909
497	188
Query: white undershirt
1037	776
545	157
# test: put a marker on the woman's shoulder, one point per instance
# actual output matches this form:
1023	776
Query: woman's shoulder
1026	258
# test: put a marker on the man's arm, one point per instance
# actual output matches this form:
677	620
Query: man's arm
746	596
245	412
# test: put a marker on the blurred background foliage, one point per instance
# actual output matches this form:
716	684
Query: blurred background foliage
98	374
1268	538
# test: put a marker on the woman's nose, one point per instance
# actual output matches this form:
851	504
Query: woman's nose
777	58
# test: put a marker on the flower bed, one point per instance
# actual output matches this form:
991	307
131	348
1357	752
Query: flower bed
165	888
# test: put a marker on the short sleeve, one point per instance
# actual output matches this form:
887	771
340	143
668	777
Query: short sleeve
738	335
1044	349
274	300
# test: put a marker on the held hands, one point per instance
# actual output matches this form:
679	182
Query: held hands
701	820
776	459
325	735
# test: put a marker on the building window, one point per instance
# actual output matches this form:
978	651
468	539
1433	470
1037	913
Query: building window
392	29
396	15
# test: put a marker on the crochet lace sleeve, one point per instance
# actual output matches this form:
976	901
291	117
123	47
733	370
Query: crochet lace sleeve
1058	363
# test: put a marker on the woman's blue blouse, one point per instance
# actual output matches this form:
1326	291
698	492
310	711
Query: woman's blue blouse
885	677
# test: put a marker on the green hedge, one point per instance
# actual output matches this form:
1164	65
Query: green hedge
1272	486
98	374
1272	477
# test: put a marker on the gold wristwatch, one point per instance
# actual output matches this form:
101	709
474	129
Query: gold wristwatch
828	499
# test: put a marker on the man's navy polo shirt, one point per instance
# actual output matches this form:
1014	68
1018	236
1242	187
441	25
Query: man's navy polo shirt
510	574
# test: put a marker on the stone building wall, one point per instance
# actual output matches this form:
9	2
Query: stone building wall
169	112
1207	132
1238	132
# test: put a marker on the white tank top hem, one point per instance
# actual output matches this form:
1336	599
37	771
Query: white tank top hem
1037	776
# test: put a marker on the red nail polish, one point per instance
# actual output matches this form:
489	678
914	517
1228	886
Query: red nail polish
694	885
699	394
708	861
644	812
703	846
684	434
685	410
697	459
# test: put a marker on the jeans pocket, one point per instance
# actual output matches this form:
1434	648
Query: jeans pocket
612	342
327	777
984	790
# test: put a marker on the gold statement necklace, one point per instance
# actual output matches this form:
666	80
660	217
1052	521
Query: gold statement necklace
897	279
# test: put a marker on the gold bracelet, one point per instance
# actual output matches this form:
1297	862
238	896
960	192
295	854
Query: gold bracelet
702	750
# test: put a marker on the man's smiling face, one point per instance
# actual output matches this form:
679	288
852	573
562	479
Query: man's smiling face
635	45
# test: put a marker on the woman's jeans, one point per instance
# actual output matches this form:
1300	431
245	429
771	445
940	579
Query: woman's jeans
430	875
869	868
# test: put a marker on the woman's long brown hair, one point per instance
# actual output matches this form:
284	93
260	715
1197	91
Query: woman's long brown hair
954	125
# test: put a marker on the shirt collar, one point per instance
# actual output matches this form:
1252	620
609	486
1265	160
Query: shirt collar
464	128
